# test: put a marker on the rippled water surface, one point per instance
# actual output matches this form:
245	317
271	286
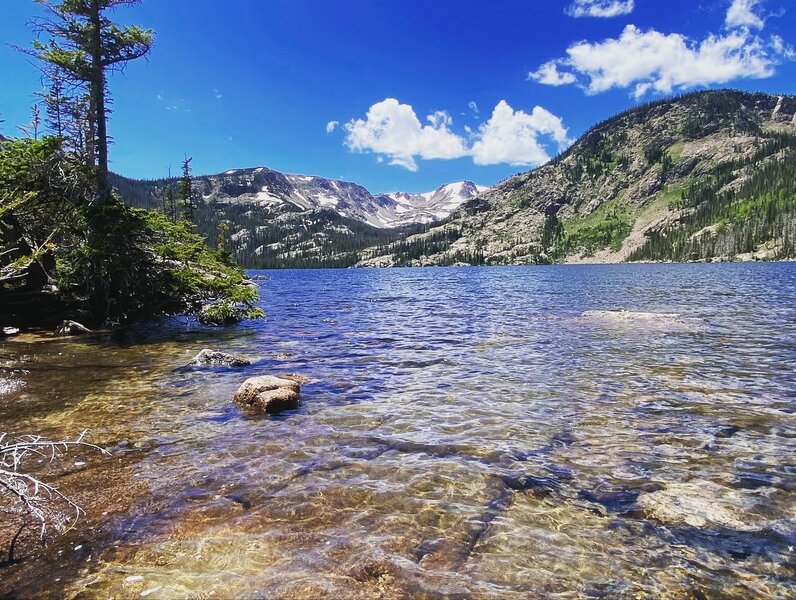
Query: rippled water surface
464	433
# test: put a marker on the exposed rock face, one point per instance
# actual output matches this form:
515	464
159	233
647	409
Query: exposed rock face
268	394
216	358
71	328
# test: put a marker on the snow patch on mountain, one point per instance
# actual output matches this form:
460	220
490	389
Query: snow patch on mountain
265	186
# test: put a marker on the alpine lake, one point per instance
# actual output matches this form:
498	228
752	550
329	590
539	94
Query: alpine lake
462	433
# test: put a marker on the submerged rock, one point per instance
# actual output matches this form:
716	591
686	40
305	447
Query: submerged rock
699	504
268	394
68	327
645	320
216	358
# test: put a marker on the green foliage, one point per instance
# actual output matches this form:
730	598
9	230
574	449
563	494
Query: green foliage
721	220
136	264
674	197
81	45
606	227
435	242
659	154
116	261
185	192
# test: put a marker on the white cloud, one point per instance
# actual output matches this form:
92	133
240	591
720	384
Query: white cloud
780	47
548	74
473	106
742	14
600	8
439	118
650	60
217	94
393	129
331	126
512	137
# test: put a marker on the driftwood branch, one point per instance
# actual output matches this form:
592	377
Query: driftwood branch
38	499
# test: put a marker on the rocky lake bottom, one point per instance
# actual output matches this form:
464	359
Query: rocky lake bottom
462	433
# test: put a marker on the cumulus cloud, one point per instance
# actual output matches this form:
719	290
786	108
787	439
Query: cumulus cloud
742	14
650	60
331	126
548	74
600	8
513	137
393	130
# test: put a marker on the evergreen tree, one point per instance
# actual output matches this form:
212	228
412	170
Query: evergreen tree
185	191
169	204
221	240
83	45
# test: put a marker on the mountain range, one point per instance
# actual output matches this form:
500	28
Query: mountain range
279	219
703	176
280	192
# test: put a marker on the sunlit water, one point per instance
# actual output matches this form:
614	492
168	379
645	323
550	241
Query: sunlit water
464	433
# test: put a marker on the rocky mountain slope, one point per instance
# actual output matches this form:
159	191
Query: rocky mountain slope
707	175
278	219
282	192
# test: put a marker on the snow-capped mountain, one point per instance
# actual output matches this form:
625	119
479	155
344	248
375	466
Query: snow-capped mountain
282	220
433	206
266	187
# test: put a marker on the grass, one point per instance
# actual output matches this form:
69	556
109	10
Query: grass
606	227
676	151
672	196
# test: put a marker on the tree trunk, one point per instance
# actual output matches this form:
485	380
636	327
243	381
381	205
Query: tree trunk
97	85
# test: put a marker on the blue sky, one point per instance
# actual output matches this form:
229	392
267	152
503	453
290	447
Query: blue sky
403	94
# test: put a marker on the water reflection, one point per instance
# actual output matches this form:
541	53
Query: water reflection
464	433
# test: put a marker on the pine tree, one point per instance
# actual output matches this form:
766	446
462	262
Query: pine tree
169	204
83	45
185	191
221	240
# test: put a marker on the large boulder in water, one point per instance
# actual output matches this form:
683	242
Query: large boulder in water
268	394
216	358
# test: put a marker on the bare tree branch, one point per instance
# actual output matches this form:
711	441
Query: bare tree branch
38	499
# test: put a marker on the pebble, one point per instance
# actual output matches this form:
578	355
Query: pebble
146	593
